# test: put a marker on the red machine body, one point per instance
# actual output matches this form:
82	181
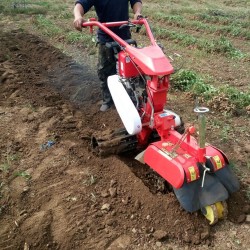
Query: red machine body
126	66
199	174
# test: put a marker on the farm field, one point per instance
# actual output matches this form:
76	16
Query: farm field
54	192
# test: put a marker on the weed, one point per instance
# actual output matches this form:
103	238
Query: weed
31	107
233	29
225	133
170	19
90	181
93	197
238	98
203	88
13	8
217	13
215	123
184	79
223	18
8	160
23	174
187	80
73	37
221	45
65	15
46	25
5	167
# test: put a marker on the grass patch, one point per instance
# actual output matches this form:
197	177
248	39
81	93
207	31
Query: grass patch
76	36
46	26
225	133
233	29
4	167
220	17
187	80
220	45
23	174
238	98
24	7
50	28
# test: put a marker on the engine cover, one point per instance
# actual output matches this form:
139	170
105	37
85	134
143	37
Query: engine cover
127	68
124	106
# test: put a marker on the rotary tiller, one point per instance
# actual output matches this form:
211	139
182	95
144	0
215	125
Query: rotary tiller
198	172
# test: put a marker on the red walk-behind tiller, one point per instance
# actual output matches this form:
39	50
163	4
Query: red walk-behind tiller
197	171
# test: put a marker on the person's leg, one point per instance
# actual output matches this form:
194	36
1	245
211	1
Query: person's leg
106	67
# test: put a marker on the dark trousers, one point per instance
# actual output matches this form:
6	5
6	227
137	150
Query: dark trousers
106	67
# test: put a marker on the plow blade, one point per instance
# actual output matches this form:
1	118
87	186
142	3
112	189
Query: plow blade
115	143
217	187
193	197
228	179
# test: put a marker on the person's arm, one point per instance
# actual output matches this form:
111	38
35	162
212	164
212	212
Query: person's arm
78	14
137	7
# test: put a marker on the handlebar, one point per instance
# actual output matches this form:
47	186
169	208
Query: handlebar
105	27
94	22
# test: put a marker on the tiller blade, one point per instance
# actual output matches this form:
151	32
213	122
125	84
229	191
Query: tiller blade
116	142
194	187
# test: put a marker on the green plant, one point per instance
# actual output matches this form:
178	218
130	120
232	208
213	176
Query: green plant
31	107
47	26
23	174
213	16
184	79
187	80
238	98
215	123
65	15
27	8
225	133
4	167
233	29
73	37
221	45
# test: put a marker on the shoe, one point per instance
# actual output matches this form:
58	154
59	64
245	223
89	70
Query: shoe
105	107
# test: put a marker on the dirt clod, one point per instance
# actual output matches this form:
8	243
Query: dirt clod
248	219
241	218
160	235
112	192
246	209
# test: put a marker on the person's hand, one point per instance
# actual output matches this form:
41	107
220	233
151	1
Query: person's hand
78	23
137	16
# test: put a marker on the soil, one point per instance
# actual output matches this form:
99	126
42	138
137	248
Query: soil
55	193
